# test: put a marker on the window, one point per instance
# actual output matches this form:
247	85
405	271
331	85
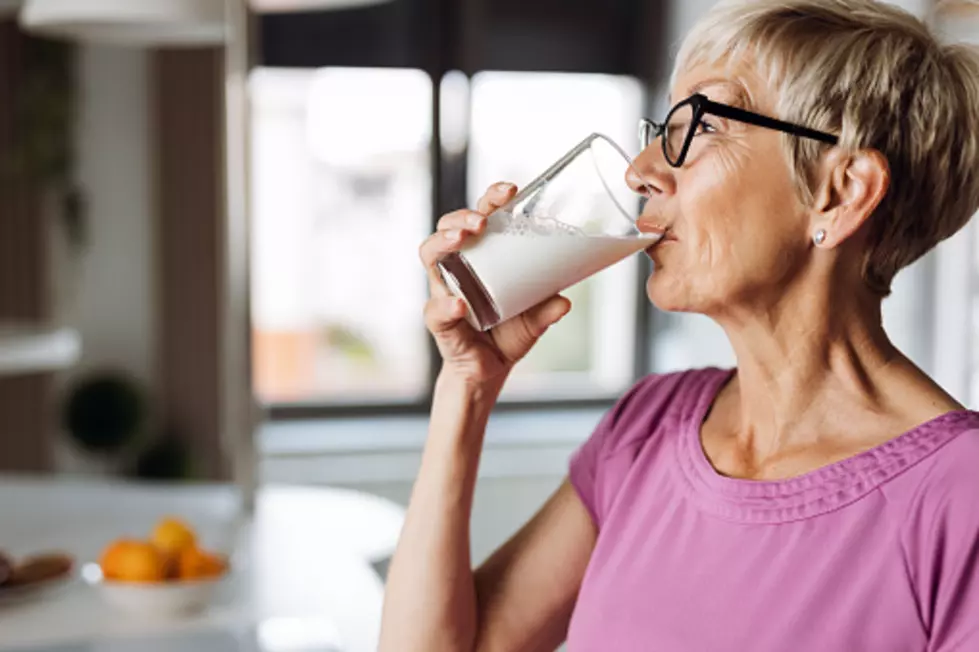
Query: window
520	123
362	139
342	186
342	195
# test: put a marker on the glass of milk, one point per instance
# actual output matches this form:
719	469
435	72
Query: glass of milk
574	220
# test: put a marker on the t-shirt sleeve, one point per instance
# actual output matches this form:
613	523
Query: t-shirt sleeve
583	468
955	597
945	555
599	466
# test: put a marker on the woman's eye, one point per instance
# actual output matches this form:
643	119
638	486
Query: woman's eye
705	127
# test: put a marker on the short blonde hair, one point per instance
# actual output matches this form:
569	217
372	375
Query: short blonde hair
878	77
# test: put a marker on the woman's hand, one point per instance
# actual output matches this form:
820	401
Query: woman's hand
467	353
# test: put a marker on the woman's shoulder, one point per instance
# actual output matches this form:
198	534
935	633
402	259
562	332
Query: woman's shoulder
657	402
641	420
951	476
939	521
942	481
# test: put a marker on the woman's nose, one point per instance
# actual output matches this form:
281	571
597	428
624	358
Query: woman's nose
650	174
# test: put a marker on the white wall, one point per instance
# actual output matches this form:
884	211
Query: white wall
106	290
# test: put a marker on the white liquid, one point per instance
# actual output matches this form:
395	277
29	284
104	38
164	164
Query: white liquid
520	267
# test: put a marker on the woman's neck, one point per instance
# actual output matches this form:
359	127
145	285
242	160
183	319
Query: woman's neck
808	366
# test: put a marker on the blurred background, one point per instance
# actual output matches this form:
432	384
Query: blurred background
208	248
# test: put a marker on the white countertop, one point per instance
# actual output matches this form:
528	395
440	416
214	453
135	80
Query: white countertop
302	565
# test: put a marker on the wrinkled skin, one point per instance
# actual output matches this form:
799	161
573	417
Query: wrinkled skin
738	232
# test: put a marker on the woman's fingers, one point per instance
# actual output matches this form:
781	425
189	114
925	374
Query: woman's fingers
496	195
464	219
544	315
443	313
454	229
441	243
515	337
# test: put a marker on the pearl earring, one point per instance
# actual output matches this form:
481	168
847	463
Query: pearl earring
820	237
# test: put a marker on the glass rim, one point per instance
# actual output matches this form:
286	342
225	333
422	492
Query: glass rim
630	163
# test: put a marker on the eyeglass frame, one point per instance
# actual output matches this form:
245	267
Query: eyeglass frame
702	106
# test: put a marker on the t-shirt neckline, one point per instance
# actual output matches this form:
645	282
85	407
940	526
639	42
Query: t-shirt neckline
817	492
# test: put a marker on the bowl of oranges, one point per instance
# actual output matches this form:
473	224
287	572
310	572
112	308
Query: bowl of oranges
167	574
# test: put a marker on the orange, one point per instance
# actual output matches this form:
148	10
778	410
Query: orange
129	560
195	563
171	535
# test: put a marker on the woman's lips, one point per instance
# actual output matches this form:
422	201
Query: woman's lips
667	238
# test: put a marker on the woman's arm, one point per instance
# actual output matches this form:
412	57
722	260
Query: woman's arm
430	600
527	589
432	603
521	598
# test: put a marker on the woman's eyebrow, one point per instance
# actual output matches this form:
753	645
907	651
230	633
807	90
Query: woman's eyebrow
739	94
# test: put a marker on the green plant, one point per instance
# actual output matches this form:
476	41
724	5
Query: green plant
45	115
105	413
351	344
166	458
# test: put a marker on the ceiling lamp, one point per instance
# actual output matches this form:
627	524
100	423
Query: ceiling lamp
128	22
286	6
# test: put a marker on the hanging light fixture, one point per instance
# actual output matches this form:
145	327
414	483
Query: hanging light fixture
128	22
286	6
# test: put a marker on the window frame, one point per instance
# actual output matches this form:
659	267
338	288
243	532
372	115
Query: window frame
444	31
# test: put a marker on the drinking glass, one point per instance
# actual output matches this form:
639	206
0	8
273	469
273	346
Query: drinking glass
574	220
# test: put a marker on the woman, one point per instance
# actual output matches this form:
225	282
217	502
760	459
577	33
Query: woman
818	497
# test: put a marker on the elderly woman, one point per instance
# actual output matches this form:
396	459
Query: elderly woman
820	497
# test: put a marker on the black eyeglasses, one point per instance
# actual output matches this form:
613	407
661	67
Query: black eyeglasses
686	120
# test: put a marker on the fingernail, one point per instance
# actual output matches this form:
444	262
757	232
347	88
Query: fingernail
453	235
504	186
475	220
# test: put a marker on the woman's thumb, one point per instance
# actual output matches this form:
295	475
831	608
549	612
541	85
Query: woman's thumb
546	314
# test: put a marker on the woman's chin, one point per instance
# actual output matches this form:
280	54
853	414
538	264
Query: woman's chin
667	294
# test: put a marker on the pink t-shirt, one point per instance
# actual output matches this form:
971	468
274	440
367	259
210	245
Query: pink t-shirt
876	553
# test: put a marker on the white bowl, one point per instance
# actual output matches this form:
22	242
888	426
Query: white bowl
154	600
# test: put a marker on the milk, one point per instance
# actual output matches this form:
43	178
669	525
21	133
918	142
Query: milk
521	263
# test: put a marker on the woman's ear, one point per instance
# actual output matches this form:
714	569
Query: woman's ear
853	185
